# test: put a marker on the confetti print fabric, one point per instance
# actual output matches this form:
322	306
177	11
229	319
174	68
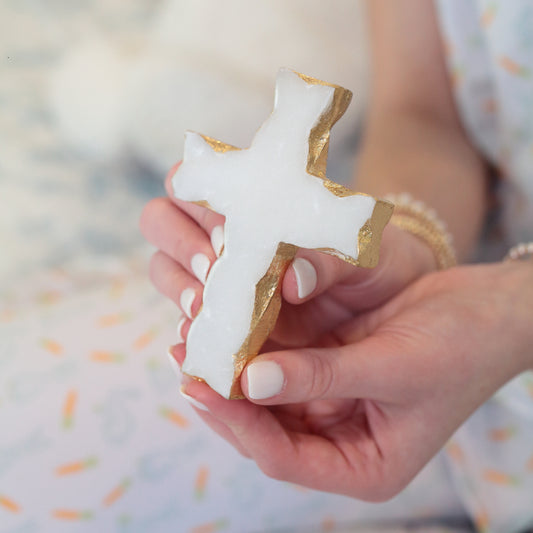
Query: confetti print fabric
96	437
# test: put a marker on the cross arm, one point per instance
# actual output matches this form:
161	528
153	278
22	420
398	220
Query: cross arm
348	227
195	180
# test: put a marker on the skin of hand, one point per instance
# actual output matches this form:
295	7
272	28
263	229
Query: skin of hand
377	373
363	415
182	230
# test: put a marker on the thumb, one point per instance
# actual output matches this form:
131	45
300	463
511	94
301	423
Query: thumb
312	273
403	258
359	370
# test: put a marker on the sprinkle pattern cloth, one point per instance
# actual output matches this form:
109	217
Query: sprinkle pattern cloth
97	438
490	55
489	46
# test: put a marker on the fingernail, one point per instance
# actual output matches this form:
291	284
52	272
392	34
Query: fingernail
200	266
217	239
174	364
265	379
192	401
178	328
305	276
186	301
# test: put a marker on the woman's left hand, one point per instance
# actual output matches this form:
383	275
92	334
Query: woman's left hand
363	416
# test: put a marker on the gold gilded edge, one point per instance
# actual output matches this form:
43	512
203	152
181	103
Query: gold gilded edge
369	238
216	145
267	305
317	155
219	147
196	378
337	189
267	301
268	290
203	203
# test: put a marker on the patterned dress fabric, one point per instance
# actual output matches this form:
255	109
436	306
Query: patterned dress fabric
489	47
96	437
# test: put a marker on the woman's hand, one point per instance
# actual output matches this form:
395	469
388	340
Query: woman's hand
363	415
372	378
186	235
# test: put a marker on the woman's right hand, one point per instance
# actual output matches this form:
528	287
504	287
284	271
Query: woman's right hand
362	416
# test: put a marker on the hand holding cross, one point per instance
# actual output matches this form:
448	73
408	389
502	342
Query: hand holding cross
275	198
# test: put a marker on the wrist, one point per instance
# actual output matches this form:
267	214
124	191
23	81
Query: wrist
519	299
422	222
417	252
405	258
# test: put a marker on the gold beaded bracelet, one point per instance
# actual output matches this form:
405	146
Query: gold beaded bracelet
415	218
521	251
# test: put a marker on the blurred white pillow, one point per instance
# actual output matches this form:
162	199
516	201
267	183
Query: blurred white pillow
206	66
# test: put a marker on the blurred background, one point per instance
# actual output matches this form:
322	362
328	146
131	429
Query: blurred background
95	96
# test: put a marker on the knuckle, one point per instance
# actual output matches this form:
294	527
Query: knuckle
147	213
155	205
385	485
179	247
387	492
332	269
152	211
322	376
153	268
382	493
338	268
203	217
208	219
272	469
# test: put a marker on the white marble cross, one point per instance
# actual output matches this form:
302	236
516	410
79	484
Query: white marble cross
275	198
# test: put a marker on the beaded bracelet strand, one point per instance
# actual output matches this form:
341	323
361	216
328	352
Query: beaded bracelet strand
521	251
416	218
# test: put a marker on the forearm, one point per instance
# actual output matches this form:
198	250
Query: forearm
414	141
406	152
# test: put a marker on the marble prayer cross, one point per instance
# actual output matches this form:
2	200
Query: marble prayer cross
276	198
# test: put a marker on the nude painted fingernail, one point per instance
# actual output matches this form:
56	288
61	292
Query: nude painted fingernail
265	379
174	364
180	338
305	276
192	401
200	266
186	301
217	239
